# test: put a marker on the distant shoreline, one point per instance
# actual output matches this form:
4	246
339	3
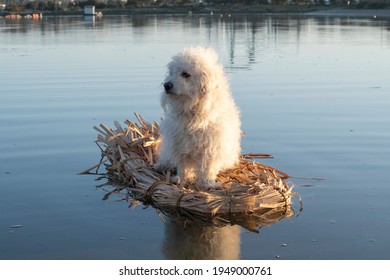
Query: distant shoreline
376	13
294	10
233	10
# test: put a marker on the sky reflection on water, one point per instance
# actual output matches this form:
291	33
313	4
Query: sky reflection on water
313	92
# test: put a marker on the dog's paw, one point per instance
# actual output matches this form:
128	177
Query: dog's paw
168	170
211	185
176	180
159	166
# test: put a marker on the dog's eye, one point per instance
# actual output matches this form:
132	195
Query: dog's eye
185	75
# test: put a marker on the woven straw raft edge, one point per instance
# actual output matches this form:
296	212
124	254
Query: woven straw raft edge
250	191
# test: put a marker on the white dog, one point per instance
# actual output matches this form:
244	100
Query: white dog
200	127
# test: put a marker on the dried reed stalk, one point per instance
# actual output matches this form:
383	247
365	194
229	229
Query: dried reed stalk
250	189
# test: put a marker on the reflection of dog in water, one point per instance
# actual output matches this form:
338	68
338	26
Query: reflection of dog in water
192	241
201	127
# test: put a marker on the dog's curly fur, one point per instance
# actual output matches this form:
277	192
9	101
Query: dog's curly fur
200	127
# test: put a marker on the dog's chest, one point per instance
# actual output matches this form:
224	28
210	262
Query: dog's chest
188	137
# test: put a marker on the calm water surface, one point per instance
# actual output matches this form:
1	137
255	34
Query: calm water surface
313	91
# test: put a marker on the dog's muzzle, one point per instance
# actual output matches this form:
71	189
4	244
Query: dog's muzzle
168	87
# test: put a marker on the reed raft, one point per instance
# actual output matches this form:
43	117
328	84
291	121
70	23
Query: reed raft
252	194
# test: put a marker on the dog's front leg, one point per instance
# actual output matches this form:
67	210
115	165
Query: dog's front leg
207	178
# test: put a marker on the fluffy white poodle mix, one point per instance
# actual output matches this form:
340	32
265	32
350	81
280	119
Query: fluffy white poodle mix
200	127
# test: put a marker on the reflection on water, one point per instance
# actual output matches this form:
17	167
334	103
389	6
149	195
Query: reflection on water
191	234
244	38
313	92
191	241
90	20
217	238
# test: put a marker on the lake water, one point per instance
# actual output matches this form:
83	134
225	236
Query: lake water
313	91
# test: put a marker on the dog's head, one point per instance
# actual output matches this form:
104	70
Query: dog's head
192	73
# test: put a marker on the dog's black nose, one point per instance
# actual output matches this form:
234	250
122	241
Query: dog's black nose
168	86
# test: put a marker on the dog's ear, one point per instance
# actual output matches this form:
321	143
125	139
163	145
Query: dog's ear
205	83
203	90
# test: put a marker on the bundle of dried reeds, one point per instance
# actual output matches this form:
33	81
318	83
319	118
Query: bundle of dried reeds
250	189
